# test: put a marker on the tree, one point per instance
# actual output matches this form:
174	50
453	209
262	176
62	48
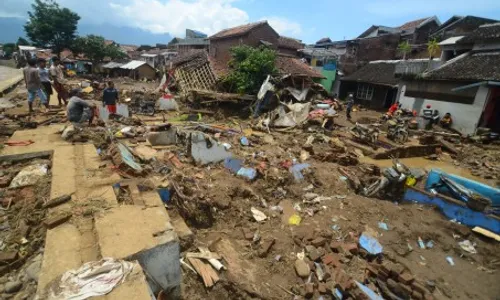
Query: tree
405	48
95	48
250	66
22	42
432	48
51	26
8	49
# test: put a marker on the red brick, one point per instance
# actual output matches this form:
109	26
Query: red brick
417	286
372	270
318	242
405	278
322	288
5	181
8	257
386	267
351	248
406	289
336	246
331	258
417	295
383	275
309	290
57	220
266	247
247	233
396	269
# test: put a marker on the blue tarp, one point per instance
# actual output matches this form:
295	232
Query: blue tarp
454	211
485	190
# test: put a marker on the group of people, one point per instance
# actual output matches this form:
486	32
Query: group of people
40	80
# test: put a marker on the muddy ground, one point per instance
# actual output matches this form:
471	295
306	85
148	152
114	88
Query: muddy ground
222	219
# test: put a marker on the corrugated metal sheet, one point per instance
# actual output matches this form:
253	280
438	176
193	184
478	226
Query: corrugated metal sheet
133	64
112	65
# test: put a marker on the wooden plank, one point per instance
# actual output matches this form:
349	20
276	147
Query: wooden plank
202	270
486	233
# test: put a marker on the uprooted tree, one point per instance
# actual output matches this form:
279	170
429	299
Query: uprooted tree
51	26
249	68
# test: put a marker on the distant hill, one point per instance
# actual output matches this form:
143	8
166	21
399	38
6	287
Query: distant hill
12	28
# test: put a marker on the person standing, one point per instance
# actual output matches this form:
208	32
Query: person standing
110	97
34	84
45	78
57	74
350	104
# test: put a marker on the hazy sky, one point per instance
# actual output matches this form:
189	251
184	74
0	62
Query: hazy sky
306	20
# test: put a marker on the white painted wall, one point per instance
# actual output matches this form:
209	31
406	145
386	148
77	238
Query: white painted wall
465	116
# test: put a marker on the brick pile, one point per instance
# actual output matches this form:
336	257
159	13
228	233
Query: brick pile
389	279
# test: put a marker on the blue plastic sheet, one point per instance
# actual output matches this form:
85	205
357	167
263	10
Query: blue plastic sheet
370	244
297	171
247	172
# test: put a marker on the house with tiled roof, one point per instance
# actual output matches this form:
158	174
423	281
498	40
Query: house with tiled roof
252	34
290	46
467	86
373	85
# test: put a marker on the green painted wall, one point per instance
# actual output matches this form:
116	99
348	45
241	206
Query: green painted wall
327	82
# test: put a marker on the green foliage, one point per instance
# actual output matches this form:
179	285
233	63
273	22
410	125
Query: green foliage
405	48
250	67
433	47
95	48
8	49
51	26
22	42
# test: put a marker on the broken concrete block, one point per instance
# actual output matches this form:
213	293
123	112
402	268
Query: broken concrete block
302	268
7	257
266	247
163	138
206	150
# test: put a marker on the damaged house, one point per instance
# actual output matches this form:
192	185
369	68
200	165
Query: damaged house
467	86
374	85
253	34
194	40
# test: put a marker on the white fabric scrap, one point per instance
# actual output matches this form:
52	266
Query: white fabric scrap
95	278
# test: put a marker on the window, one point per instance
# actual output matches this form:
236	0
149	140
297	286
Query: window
365	91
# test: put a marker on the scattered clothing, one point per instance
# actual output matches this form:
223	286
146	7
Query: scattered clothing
92	279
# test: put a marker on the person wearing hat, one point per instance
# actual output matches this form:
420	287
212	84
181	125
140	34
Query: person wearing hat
79	111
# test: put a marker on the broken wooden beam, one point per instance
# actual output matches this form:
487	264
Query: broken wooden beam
57	201
57	220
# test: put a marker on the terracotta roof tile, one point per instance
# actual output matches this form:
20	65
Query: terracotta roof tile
412	24
483	33
295	67
236	31
375	72
290	43
477	66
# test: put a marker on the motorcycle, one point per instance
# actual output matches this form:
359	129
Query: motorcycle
366	133
397	131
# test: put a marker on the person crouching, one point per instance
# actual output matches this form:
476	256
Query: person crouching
79	111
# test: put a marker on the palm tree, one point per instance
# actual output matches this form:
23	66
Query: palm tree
433	49
405	48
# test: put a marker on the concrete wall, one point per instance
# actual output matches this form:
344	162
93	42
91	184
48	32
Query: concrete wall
465	116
